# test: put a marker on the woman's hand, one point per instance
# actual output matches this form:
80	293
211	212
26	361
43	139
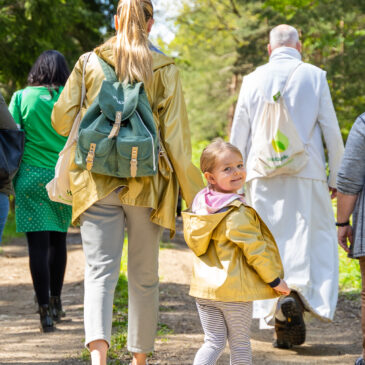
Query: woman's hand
282	288
344	234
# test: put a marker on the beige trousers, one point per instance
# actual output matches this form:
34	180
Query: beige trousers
102	231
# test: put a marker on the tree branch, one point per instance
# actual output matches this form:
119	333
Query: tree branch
235	9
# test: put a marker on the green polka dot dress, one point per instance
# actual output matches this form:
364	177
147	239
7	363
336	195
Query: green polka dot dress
34	211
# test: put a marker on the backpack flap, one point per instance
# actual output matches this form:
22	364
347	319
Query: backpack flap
114	97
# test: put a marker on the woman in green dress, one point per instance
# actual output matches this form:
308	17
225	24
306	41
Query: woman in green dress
44	222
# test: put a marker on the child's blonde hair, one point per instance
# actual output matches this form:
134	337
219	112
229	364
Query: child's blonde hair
209	154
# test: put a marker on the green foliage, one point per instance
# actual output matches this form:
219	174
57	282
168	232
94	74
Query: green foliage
350	277
29	27
197	149
220	41
333	39
349	269
10	227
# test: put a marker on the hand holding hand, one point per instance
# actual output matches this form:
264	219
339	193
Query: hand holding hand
282	288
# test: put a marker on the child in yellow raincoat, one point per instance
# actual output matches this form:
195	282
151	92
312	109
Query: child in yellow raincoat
236	258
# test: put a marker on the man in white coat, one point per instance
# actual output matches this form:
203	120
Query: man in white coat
297	208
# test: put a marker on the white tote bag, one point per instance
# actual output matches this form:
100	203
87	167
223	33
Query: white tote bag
277	147
59	187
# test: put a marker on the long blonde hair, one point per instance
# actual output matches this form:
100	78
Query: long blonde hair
132	55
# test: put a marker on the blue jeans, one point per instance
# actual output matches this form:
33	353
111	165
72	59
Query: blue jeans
4	209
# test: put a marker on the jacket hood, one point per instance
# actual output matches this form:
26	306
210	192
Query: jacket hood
105	51
199	229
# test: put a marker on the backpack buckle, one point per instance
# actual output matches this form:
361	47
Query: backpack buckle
134	161
116	126
90	156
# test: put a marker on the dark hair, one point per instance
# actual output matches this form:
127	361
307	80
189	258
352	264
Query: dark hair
50	70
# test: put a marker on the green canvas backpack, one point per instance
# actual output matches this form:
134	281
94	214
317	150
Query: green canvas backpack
117	135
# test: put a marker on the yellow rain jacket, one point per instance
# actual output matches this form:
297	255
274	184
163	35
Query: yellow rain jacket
235	255
166	98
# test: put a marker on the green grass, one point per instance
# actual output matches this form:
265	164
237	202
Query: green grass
349	269
350	278
10	229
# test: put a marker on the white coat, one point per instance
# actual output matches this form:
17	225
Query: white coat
309	103
296	208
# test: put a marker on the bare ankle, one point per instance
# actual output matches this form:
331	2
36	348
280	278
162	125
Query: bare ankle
139	359
98	352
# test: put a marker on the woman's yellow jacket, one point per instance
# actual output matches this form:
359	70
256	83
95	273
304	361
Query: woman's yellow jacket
235	255
158	192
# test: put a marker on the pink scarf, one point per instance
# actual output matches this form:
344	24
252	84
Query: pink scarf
208	201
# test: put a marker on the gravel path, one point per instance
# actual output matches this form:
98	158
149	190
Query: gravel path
21	342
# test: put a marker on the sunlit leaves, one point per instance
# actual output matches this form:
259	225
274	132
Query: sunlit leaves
220	41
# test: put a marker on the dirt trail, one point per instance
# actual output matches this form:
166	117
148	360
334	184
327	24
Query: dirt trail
21	342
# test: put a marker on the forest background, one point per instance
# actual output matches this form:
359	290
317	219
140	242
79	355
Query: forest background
216	43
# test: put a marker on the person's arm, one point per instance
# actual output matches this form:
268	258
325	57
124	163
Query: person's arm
331	132
345	207
241	127
68	104
244	229
175	134
350	180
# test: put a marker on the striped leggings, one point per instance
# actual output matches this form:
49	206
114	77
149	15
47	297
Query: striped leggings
222	320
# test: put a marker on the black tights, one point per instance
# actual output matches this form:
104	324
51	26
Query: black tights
47	261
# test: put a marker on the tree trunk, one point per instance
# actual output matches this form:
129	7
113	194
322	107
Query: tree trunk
233	88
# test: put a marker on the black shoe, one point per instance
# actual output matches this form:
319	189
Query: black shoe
280	344
55	306
360	361
46	319
291	331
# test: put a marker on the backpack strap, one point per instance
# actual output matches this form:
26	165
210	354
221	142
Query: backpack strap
290	77
76	124
83	86
108	70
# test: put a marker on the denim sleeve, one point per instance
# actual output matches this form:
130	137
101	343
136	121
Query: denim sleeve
351	176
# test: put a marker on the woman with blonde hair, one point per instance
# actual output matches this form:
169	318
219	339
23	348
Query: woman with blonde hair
145	205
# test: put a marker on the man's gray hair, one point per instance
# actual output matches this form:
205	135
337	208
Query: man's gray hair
283	35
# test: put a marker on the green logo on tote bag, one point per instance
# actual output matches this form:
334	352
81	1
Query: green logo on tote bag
280	143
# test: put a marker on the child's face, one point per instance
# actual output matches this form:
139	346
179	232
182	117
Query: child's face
228	174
